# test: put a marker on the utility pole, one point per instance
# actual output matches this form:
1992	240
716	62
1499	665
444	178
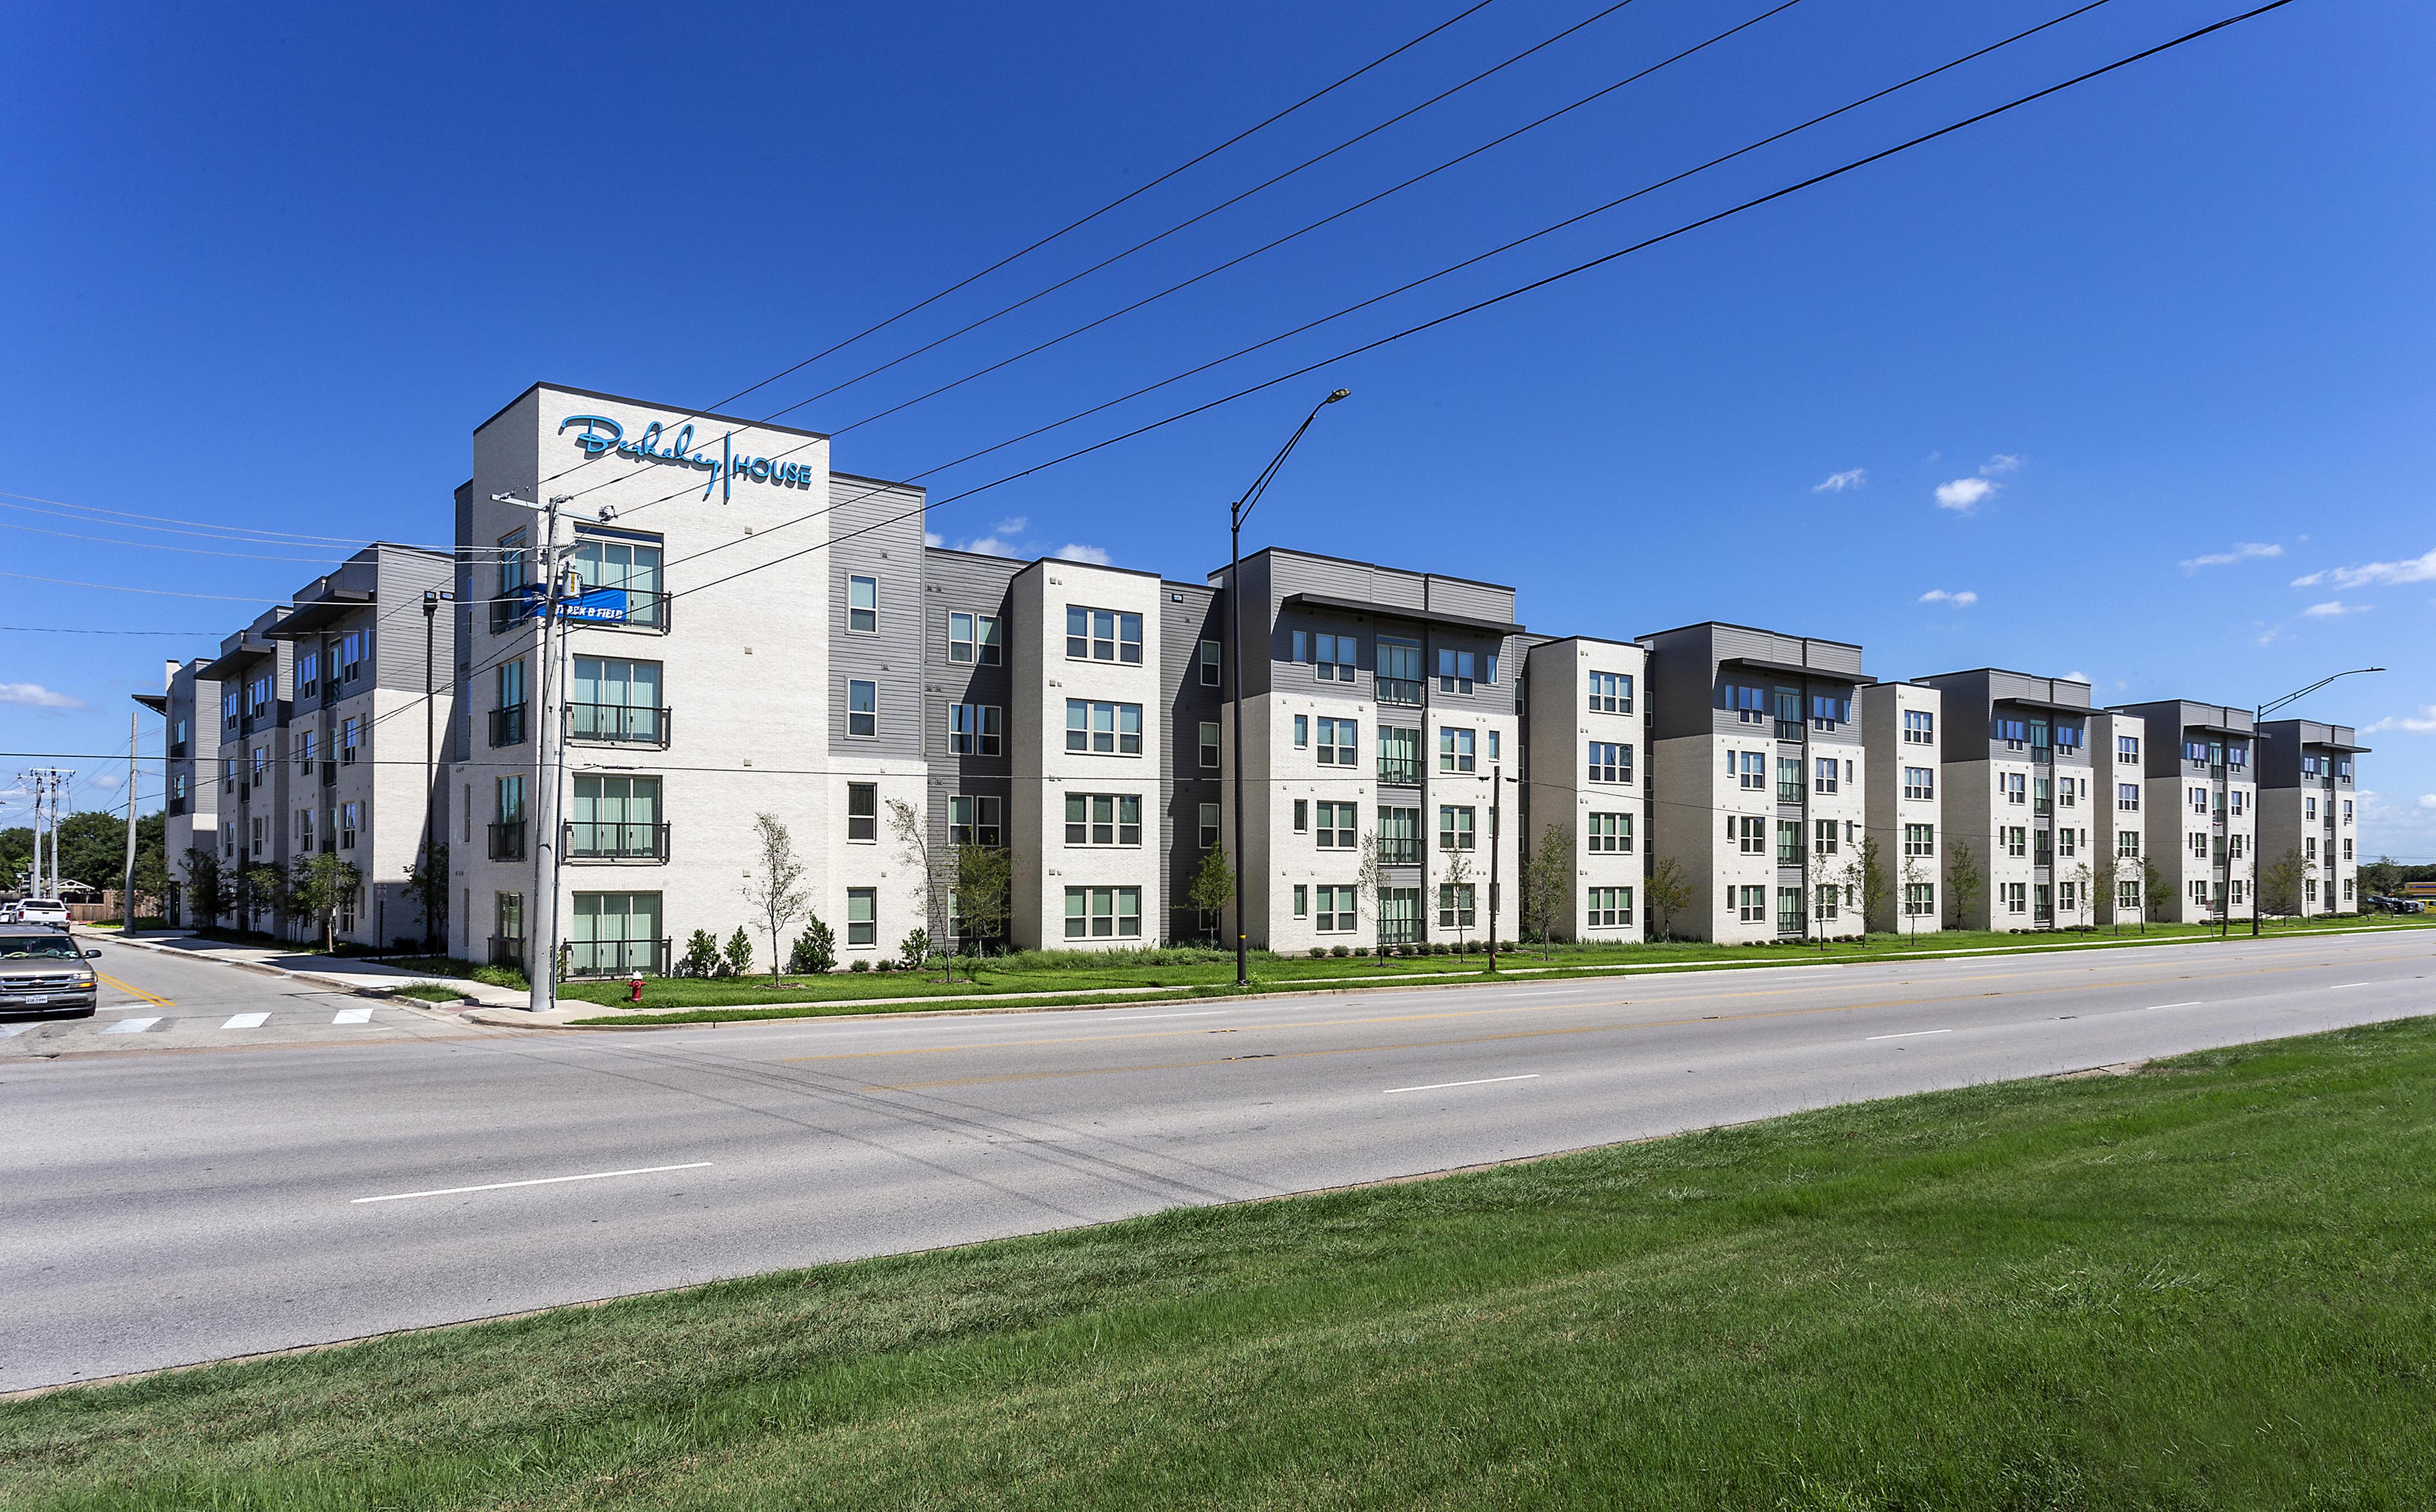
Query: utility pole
127	882
543	968
1496	843
432	598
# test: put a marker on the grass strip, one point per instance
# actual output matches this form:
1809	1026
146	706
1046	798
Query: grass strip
2203	1286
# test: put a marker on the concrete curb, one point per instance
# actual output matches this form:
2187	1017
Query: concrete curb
346	984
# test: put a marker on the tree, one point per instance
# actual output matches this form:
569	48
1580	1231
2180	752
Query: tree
2282	882
1545	883
738	953
1457	875
815	950
208	892
1914	874
984	882
1670	892
2156	891
427	882
776	889
320	885
1213	887
1963	881
16	854
933	866
701	956
2381	877
261	888
2084	882
913	951
1866	875
1370	881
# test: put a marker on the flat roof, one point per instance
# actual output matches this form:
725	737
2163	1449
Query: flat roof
1756	629
649	404
1376	566
858	478
1760	664
1397	611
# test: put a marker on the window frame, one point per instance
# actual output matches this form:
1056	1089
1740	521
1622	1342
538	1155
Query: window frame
862	619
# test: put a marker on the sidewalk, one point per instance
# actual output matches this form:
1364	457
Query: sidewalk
368	977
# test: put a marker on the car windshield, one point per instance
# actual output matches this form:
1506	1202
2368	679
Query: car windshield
17	946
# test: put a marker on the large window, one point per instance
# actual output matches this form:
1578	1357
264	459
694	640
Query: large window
2016	896
1610	833
861	707
1919	899
1209	664
975	729
1336	829
1208	816
1822	837
1610	761
1610	692
974	639
634	566
1455	750
2127	748
1749	768
1610	908
1457	670
1400	755
1334	658
1103	819
616	699
863	605
1828	710
1210	743
979	819
2127	844
1103	912
1456	906
862	811
1103	635
1750	835
1788	911
2127	797
1400	835
1454	827
1750	904
1920	727
1920	839
1399	670
1104	729
1788	842
616	817
862	915
614	934
1338	912
1824	777
1788	779
1920	782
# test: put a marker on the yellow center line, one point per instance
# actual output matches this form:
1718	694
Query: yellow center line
133	992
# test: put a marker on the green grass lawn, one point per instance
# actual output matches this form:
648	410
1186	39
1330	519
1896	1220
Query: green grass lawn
2209	1285
1074	976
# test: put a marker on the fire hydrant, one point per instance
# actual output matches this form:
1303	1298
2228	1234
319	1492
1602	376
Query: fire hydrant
634	989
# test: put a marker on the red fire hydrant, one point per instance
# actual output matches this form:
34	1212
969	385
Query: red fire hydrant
634	989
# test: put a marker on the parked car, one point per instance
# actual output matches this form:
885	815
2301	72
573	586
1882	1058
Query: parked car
37	911
43	970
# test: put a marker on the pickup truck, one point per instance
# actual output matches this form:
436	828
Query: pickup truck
35	911
41	970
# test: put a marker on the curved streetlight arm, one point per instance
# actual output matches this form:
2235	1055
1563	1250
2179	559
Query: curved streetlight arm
1242	507
2265	709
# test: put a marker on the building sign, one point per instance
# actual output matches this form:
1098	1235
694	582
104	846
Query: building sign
600	606
658	444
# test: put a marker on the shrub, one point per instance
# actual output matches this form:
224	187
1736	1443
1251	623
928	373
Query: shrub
883	965
912	950
740	953
859	965
1361	950
815	950
1340	951
701	956
1318	952
499	977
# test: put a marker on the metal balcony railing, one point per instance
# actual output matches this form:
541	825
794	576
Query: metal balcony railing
1403	691
615	841
1399	850
1789	730
1401	771
614	958
507	950
508	725
508	841
329	773
617	723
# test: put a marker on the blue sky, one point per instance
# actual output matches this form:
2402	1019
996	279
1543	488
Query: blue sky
2133	377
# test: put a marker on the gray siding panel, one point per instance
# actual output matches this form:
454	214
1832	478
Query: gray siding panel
877	537
1187	616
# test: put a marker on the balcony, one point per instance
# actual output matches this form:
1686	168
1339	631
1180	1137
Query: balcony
1399	850
507	610
1404	772
508	841
1789	730
329	773
1788	793
177	750
617	723
507	950
614	958
612	840
177	806
508	725
1403	691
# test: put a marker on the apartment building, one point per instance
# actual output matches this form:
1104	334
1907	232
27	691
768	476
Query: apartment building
1758	781
1586	793
2308	809
307	734
2200	797
1899	729
2019	792
2117	810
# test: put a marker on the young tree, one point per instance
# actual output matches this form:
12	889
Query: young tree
1914	874
739	952
1457	875
261	888
2281	883
701	956
1670	892
775	888
985	881
2156	891
2084	882
2382	878
1370	881
934	866
815	950
1866	875
1213	887
427	882
1545	882
208	892
1963	881
318	885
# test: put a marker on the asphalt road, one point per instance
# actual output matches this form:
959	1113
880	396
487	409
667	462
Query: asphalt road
169	1207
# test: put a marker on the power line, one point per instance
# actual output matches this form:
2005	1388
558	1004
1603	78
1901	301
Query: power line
67	629
230	532
162	546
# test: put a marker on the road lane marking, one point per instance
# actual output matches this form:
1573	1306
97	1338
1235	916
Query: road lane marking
130	1026
538	1181
1440	1086
2341	985
2154	1006
245	1021
13	1030
1912	1034
1136	1018
354	1015
135	992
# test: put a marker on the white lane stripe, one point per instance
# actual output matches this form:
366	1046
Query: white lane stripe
538	1181
130	1026
1912	1034
2341	985
1136	1018
354	1015
13	1030
2154	1006
1434	1086
245	1021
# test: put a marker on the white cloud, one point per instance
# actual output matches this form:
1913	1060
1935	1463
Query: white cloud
1959	600
2418	569
2242	552
1012	524
1963	494
1837	482
2336	606
108	781
2001	463
1096	555
2076	676
988	545
2422	723
35	696
934	538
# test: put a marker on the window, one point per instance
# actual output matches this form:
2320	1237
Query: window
2195	750
228	708
1454	750
974	639
1753	771
351	819
2011	732
2127	748
2017	840
2127	797
2200	890
1752	833
615	818
2199	845
862	811
2309	807
1610	761
2199	800
1822	902
978	819
1752	903
1610	693
2127	845
1338	913
975	729
2347	889
303	830
1336	826
1749	703
2240	800
1302	902
2068	842
615	933
1332	657
1209	826
628	566
2347	811
2239	755
616	699
2040	802
1103	912
1822	837
1103	819
1824	781
178	786
1302	731
2344	768
2069	790
1920	727
2015	787
351	647
351	735
1919	899
1456	906
1828	710
1302	816
1788	779
2016	896
2347	848
308	673
1610	833
1610	908
511	800
1400	834
254	829
1209	664
2043	846
1788	842
1103	636
861	707
1339	743
862	915
1788	911
2309	848
2067	735
1454	827
2127	895
1104	729
1920	782
303	750
1493	738
2064	894
1456	669
258	697
261	759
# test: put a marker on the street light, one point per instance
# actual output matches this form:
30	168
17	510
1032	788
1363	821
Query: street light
1236	514
2257	718
432	600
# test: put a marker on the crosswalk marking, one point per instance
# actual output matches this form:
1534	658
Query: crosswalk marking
247	1021
130	1026
354	1015
13	1030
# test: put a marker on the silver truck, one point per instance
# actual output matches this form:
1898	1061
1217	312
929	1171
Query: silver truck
41	970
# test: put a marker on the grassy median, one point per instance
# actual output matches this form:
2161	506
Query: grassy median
2206	1286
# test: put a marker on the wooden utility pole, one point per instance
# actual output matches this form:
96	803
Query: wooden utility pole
1496	842
126	878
